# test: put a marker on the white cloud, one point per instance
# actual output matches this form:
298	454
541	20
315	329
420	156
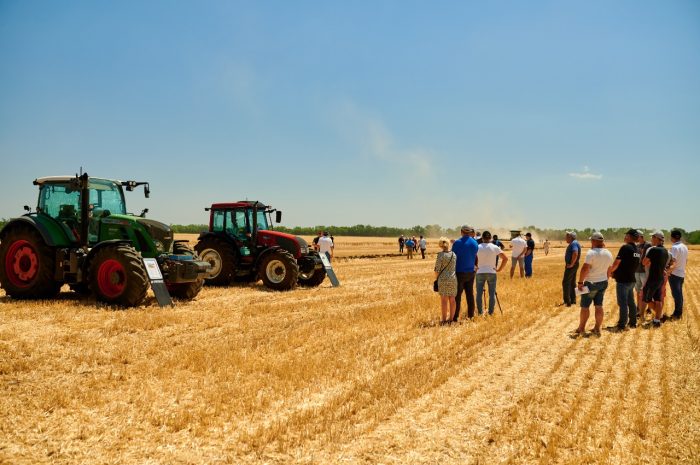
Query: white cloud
379	143
586	174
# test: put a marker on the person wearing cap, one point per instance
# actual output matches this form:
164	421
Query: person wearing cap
518	255
571	258
402	241
640	275
656	260
488	255
594	276
465	248
325	245
529	255
679	260
623	270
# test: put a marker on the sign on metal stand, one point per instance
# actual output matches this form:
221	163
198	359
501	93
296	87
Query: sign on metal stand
157	283
329	270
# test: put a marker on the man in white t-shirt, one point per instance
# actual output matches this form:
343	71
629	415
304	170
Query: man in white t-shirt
519	246
679	259
594	275
487	254
325	245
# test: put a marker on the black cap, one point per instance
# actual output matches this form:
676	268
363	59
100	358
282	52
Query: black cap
528	234
633	232
676	234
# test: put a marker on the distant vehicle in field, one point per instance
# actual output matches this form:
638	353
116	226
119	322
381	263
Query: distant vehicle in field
81	235
241	245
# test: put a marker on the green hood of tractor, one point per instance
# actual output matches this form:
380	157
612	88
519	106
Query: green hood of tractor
150	237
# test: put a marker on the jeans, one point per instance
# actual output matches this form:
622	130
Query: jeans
481	279
568	285
676	283
528	265
465	282
625	299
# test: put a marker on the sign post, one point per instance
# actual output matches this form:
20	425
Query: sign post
329	270
157	283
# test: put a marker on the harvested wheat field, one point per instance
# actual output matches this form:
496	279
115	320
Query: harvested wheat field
356	374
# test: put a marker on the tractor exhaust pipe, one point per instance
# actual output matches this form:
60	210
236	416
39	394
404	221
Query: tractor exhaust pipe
84	209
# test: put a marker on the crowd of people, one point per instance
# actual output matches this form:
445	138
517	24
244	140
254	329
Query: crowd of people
411	245
641	270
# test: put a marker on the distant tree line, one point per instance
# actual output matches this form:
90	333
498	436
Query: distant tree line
435	230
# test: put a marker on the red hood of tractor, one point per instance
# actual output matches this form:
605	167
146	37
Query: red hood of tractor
268	237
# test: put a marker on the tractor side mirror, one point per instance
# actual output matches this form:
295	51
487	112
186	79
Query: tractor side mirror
147	191
27	208
278	216
143	213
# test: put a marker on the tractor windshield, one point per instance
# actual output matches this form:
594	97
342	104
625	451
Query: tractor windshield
262	219
106	195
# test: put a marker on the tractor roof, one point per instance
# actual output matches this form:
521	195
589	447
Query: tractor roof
58	179
239	204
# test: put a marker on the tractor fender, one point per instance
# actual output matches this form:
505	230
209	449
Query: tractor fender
224	237
101	246
53	237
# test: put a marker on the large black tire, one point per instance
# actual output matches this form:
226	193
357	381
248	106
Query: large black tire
183	248
118	276
27	265
278	270
185	291
313	278
221	256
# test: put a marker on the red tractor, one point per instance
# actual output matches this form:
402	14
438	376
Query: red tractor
240	245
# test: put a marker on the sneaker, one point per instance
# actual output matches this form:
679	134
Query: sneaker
633	326
675	317
665	317
595	332
655	324
575	334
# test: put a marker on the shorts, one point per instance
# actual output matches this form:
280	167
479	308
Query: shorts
653	290
640	279
596	292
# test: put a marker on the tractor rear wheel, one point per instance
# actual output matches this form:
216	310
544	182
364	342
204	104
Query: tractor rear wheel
118	276
185	291
27	265
221	256
279	270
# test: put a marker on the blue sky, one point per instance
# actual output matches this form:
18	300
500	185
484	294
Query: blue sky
557	114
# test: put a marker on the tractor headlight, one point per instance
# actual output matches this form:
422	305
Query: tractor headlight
159	246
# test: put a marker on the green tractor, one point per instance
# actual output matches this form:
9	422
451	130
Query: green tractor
81	235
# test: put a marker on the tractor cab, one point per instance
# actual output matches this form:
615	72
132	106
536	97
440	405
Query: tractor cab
244	222
60	197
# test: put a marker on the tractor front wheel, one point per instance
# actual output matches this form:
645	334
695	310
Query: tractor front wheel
222	258
279	270
313	278
118	276
27	265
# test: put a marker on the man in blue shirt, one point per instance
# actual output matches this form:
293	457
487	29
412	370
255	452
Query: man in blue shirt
465	249
571	257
